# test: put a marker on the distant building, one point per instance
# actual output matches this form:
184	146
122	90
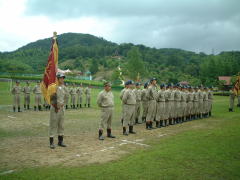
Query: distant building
227	80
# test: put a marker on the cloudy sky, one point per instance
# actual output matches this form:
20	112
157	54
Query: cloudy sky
195	25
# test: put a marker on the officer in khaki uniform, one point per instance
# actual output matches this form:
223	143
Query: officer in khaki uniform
171	104
177	102
26	90
138	93
73	93
232	96
80	96
105	101
160	107
16	91
121	96
200	91
129	100
38	98
183	103
57	113
88	96
195	110
167	105
190	104
205	102
152	96
144	99
210	101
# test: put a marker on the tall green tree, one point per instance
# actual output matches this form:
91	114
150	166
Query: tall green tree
135	64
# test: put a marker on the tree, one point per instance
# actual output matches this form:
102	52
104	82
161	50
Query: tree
135	64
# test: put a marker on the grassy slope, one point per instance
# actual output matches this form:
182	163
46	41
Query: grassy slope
202	153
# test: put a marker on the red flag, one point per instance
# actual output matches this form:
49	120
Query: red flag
49	82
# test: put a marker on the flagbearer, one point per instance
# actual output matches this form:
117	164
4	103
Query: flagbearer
105	102
16	90
57	112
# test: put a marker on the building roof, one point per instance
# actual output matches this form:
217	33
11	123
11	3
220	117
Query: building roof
227	79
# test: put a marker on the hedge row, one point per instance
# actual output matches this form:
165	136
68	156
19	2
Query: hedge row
67	80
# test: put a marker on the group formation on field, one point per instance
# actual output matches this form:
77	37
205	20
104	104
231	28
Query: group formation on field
165	105
76	97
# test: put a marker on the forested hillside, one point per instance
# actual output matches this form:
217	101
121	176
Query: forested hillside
83	52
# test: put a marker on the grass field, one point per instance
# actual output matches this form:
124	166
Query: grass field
201	149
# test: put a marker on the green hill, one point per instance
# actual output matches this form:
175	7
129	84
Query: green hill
84	52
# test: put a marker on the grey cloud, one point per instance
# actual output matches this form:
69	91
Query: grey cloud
197	25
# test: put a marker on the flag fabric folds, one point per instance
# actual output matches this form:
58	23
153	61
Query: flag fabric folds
49	82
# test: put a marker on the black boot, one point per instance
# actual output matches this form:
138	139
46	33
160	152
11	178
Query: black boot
28	107
100	135
148	127
131	130
165	123
71	106
80	105
74	106
40	108
230	110
157	124
60	141
89	105
109	134
52	146
125	131
14	109
210	114
24	106
77	105
85	105
35	108
66	106
170	121
19	109
161	123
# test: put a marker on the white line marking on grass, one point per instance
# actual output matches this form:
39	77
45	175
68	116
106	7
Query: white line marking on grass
7	172
12	117
162	135
132	142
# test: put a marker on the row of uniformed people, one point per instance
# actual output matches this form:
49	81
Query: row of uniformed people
76	96
166	105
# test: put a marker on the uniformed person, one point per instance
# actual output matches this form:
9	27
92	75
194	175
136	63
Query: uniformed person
190	104
121	96
160	112
38	98
138	93
152	95
210	101
177	102
105	101
232	96
205	102
57	113
129	100
27	90
144	102
167	105
183	104
201	108
73	93
16	91
171	103
88	96
195	103
80	96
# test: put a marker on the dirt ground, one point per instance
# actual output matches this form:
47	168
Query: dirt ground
28	145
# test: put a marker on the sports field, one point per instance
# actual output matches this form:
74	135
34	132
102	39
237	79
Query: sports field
200	149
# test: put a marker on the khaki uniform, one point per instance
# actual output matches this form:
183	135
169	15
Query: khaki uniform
201	109
210	100
177	102
121	96
205	102
144	103
26	90
16	91
138	103
171	103
152	106
73	93
129	100
80	96
160	114
88	96
106	102
67	95
38	95
183	104
231	99
167	103
189	103
57	118
195	103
